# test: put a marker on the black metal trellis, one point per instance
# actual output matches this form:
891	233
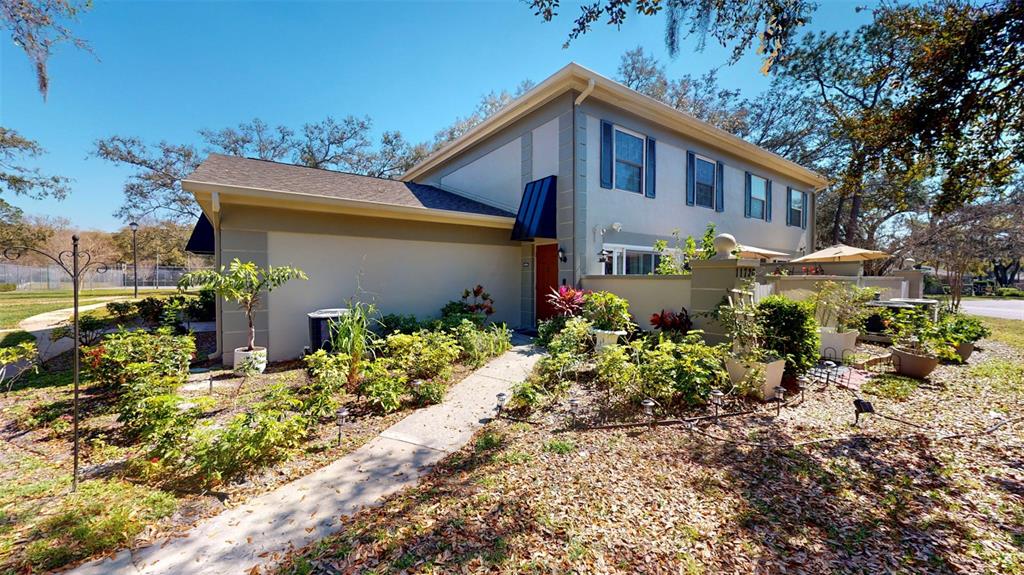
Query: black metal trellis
72	263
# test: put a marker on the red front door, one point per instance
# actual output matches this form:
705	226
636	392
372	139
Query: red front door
547	278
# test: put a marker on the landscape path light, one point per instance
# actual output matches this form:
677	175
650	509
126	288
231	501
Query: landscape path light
780	397
574	408
502	400
716	400
342	419
648	405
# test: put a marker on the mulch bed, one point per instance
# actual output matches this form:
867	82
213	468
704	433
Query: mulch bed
894	494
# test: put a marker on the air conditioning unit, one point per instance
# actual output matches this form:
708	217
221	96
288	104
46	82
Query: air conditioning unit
320	326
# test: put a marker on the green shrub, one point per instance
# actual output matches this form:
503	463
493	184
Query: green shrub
481	344
425	354
159	353
913	330
90	330
204	307
151	310
527	395
166	423
397	323
549	328
669	372
352	334
16	338
429	392
7	287
328	376
122	310
1001	292
957	328
382	385
138	408
575	338
264	435
607	311
790	330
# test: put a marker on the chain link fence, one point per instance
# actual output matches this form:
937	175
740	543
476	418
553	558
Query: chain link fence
43	278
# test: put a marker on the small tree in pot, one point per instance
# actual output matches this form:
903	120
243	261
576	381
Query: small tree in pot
244	283
839	309
752	368
609	315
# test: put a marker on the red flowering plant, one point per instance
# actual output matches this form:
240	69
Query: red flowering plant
567	301
478	301
671	322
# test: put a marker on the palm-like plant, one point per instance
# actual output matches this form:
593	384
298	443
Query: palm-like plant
244	283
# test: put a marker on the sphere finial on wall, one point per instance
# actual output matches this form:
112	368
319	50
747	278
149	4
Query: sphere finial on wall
724	246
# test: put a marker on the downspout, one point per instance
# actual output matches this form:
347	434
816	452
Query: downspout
580	260
591	84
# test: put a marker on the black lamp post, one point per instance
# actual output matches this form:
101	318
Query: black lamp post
79	263
135	258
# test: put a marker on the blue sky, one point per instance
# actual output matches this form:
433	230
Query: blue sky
164	69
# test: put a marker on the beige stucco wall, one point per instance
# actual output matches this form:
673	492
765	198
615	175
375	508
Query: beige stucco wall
647	295
647	219
402	266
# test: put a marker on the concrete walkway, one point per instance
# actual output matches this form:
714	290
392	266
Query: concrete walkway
42	324
310	508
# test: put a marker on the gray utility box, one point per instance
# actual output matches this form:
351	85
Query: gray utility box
320	327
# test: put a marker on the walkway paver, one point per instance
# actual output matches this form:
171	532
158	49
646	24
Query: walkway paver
256	534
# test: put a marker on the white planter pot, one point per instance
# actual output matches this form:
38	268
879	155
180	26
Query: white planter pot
603	338
768	375
259	355
837	346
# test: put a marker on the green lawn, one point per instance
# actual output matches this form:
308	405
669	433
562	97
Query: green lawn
16	306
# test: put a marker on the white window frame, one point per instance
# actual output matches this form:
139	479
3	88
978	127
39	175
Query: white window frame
714	181
764	201
619	255
615	159
790	209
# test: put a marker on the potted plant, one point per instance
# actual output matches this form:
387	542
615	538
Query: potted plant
962	332
917	343
609	315
751	367
839	309
244	283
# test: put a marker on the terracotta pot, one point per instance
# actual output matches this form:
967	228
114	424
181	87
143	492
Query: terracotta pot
913	365
837	346
258	355
603	338
769	379
964	350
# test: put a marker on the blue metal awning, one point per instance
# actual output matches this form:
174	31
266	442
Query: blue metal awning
536	217
201	240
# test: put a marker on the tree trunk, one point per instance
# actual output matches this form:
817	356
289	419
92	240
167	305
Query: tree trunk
838	218
855	182
252	331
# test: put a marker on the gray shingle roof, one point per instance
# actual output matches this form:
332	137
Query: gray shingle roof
288	178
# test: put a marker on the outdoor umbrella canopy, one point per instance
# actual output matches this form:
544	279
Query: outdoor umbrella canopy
756	252
841	253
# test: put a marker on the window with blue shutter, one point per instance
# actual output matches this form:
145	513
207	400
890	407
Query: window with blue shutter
719	187
649	179
757	197
690	158
768	202
606	155
803	210
796	208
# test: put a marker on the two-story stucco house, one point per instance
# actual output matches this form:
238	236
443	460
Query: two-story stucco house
580	176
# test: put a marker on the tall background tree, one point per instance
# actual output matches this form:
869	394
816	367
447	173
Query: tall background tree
37	26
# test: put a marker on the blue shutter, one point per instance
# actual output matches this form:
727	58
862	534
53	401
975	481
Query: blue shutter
768	202
804	208
746	195
720	187
606	155
690	174
649	177
789	204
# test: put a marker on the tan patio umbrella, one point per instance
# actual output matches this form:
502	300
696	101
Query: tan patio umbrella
755	252
841	253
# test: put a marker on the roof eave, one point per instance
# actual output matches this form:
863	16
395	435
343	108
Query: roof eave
230	194
576	77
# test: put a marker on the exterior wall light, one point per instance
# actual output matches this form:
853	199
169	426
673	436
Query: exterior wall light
561	256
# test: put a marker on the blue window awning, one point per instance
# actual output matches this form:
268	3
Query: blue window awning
201	240
536	217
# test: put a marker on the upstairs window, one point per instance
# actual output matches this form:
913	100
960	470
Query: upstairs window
629	161
758	198
704	183
795	215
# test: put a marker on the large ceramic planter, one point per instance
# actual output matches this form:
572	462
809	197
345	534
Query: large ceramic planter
912	364
964	350
258	355
837	346
603	338
768	376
